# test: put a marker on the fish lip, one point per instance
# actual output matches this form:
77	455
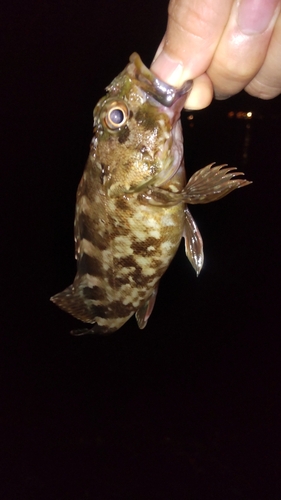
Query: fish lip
162	92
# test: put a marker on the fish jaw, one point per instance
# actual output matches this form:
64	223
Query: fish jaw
170	101
151	141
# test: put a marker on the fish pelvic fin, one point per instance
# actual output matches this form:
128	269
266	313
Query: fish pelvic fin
193	243
144	312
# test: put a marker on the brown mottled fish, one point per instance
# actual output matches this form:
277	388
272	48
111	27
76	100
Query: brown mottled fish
131	209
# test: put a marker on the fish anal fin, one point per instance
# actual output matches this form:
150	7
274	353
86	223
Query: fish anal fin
80	332
94	330
193	242
144	312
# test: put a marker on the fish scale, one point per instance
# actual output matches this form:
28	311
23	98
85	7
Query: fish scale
131	208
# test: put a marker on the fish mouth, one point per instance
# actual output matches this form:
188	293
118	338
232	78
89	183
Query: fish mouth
172	99
165	94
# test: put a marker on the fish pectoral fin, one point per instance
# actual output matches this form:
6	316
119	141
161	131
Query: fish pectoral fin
212	183
158	197
193	243
207	184
143	313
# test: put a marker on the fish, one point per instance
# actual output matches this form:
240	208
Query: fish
132	201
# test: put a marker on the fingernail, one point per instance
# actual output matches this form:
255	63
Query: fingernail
167	69
254	16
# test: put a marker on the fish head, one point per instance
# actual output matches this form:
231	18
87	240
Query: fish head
138	139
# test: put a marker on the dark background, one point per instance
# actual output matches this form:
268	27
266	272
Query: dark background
188	408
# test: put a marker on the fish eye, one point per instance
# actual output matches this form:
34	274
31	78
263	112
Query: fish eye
117	115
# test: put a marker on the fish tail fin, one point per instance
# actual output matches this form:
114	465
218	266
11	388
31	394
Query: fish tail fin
71	301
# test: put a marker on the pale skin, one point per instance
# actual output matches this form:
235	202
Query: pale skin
224	46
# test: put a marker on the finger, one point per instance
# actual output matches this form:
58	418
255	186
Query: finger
243	46
267	82
202	93
193	33
202	90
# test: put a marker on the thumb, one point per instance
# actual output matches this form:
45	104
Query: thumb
193	33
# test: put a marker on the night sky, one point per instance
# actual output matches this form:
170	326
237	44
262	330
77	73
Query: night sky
189	407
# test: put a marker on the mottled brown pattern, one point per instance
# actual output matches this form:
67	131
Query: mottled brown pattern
136	272
117	223
119	310
94	293
115	310
139	278
158	265
127	262
144	118
91	234
117	281
121	204
141	247
90	265
124	242
86	185
124	135
99	311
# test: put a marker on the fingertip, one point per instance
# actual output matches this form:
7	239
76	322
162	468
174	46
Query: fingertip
173	72
201	95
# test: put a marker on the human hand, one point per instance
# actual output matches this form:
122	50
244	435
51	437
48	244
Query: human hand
222	45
